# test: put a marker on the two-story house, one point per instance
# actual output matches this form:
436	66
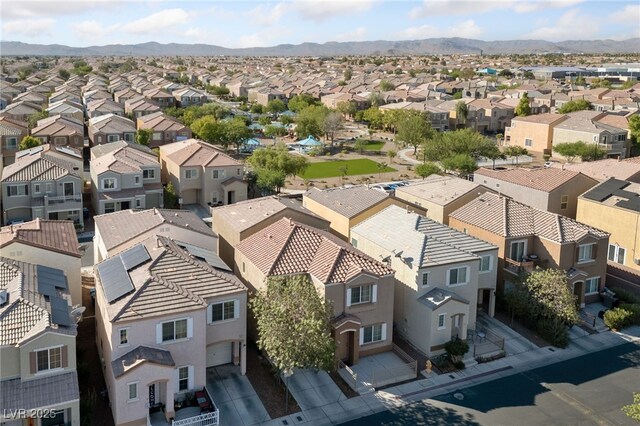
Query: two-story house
110	128
37	347
99	107
43	182
528	238
160	97
165	129
11	133
584	126
140	106
127	177
60	131
163	316
202	174
187	96
67	109
359	287
533	132
442	276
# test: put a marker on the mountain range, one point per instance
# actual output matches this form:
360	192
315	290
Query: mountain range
437	46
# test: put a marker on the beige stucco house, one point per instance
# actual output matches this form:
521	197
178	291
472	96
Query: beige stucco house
533	132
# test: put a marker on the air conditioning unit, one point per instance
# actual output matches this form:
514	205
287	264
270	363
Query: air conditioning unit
636	261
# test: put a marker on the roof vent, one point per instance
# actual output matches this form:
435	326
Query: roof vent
4	296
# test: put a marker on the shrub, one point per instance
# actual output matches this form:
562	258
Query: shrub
553	331
634	308
626	296
456	348
617	318
459	365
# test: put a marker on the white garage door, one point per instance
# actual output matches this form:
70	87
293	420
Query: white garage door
219	354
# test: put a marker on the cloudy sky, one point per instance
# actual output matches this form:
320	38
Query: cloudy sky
265	23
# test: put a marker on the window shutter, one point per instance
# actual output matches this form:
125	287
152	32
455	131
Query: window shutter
159	333
348	296
594	251
361	336
65	356
374	293
236	308
577	252
177	379
190	377
209	313
33	367
189	328
384	331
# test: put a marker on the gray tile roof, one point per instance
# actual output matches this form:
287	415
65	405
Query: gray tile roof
437	297
43	392
348	202
139	355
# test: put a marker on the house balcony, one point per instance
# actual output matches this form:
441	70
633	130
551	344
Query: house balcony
616	147
528	264
63	202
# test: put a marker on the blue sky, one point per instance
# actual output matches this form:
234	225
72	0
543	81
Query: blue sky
267	23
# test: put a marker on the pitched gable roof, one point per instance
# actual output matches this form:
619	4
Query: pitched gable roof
56	235
348	202
544	179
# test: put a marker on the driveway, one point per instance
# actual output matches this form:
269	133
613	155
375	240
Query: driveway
235	397
312	390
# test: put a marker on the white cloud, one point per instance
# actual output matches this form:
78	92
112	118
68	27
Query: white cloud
158	23
93	30
47	8
629	15
467	7
28	27
262	38
570	26
535	5
466	29
267	15
322	10
356	35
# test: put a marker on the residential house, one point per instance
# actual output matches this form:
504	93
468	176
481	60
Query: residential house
533	132
584	126
49	243
527	238
202	174
345	207
99	107
110	128
439	195
43	183
160	97
187	96
163	316
359	287
20	110
60	131
165	129
601	170
127	177
235	222
38	378
552	189
118	231
67	109
11	133
140	106
443	276
614	207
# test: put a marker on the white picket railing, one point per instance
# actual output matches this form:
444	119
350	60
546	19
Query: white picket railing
204	419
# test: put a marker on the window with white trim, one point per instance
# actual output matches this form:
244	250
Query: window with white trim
137	179
586	252
11	143
132	391
485	263
129	137
442	321
109	183
517	250
174	330
191	173
564	202
425	279
138	203
124	336
109	207
354	242
148	174
183	379
361	294
113	138
59	140
592	285
457	276
616	253
36	188
528	142
17	190
372	334
217	174
223	311
49	359
157	136
48	187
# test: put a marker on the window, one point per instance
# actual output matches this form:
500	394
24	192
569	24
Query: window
148	174
442	321
174	330
425	279
48	187
124	336
354	242
12	143
109	183
109	207
217	174
191	173
49	359
372	333
223	311
586	252
361	294
137	179
17	190
485	263
592	285
564	202
457	276
112	138
128	137
133	391
528	142
516	250
183	379
616	253
157	136
36	188
237	172
59	140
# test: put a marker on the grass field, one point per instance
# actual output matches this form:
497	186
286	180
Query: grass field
374	145
327	169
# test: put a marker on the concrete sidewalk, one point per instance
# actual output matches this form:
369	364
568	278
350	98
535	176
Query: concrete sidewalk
433	385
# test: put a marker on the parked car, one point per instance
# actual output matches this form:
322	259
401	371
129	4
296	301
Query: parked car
383	188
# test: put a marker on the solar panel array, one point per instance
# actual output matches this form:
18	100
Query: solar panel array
115	279
50	279
60	311
135	256
208	256
605	190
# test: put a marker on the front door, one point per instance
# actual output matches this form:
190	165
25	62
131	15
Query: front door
517	251
578	291
231	197
152	395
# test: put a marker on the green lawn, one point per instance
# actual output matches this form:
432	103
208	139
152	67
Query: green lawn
374	145
327	169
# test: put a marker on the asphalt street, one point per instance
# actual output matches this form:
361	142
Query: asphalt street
587	390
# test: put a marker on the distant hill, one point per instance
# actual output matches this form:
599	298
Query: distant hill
380	47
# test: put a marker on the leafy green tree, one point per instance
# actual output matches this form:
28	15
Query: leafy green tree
275	107
586	152
294	324
285	119
278	158
29	142
493	153
310	121
524	106
414	129
391	154
64	74
462	112
381	168
549	289
517	301
218	90
376	100
195	112
633	410
211	130
235	132
515	151
143	136
332	124
170	197
386	86
272	131
374	117
634	128
32	120
575	105
269	181
464	164
360	145
299	102
256	109
457	95
505	73
427	169
347	108
348	73
264	120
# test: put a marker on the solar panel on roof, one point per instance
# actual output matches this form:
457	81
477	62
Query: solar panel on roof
206	255
50	279
60	311
115	279
134	257
605	190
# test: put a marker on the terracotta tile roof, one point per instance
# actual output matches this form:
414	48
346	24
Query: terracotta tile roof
601	170
542	179
56	235
508	218
348	202
540	118
124	225
287	247
194	152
